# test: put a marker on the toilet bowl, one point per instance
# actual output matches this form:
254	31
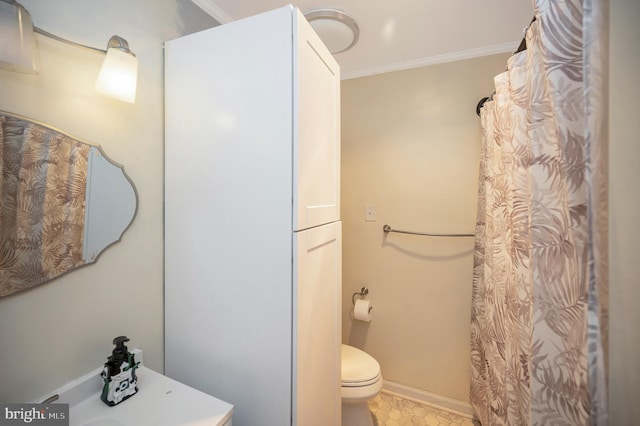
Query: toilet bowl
361	381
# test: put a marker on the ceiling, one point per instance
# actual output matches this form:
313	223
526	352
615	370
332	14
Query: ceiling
403	34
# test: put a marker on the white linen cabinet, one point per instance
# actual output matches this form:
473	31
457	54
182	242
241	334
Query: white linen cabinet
252	224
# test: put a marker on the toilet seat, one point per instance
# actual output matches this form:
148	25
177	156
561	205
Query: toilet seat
358	368
361	384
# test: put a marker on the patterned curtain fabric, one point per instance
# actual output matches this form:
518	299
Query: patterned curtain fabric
42	198
539	317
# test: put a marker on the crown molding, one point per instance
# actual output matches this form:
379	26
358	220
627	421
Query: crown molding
214	11
432	60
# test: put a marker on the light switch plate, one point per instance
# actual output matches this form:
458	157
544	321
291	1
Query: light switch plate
370	213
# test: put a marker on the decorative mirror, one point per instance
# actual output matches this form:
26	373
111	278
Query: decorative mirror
62	203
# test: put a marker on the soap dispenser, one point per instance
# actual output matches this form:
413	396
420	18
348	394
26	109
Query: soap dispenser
119	374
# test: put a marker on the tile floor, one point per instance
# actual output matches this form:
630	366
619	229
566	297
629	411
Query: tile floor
391	410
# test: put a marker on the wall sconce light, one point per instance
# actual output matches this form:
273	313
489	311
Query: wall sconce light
118	75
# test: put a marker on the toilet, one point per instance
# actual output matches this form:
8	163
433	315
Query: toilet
361	381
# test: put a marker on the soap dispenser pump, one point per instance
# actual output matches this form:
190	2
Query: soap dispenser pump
119	374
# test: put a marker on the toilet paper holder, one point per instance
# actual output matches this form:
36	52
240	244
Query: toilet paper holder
363	292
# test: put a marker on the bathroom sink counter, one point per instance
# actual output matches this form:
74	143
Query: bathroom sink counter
160	401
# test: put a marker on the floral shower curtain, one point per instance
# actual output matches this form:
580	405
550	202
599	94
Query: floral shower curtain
539	317
42	200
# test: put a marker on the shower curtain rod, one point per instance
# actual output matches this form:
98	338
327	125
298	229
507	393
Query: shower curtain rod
522	46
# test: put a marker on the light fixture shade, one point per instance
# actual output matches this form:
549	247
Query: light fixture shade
337	30
119	75
17	42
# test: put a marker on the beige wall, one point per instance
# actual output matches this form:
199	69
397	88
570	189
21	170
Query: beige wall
63	329
624	204
410	146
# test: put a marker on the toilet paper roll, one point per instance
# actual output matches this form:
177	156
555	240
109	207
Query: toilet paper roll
362	310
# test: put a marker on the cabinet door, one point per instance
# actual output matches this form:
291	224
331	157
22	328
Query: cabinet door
316	130
317	325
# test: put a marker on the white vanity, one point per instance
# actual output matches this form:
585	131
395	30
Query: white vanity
160	401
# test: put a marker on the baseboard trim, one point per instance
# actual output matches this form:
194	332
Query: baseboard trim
440	402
